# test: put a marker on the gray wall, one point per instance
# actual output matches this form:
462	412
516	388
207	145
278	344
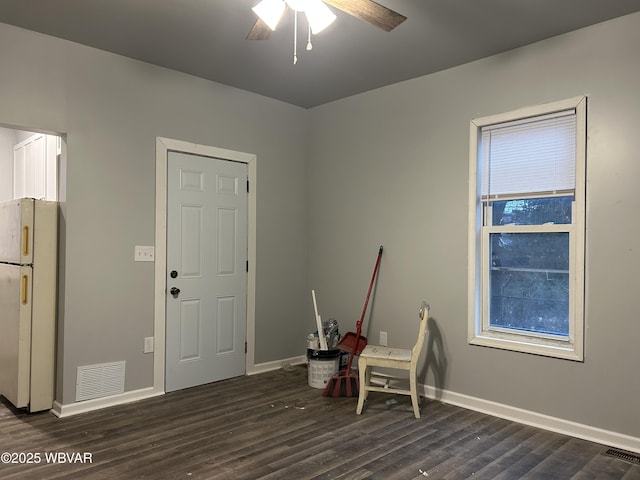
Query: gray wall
387	167
7	140
111	109
391	167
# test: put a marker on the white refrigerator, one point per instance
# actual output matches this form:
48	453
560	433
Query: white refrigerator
28	299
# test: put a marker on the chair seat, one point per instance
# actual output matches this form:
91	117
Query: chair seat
378	351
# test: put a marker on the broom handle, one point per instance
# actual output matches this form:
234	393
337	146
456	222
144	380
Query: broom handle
364	311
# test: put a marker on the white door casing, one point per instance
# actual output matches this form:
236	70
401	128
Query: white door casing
162	295
206	270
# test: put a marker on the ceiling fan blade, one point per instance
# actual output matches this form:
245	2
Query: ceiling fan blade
370	11
260	31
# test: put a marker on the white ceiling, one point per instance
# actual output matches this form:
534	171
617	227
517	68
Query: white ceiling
206	38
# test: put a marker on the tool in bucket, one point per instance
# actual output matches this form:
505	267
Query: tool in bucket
321	337
345	383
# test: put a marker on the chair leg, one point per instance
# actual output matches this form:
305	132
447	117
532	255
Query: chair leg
415	398
365	374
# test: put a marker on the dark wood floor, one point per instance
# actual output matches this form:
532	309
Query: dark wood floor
274	426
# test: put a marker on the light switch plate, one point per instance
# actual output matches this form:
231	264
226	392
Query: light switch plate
148	345
383	338
144	254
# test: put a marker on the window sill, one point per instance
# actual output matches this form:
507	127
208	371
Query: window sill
528	345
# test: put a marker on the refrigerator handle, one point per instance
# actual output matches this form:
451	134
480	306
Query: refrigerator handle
25	285
25	240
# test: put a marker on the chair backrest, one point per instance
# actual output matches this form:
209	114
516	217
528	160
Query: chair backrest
423	314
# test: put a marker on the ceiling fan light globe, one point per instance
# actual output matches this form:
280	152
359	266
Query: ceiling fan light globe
318	15
270	12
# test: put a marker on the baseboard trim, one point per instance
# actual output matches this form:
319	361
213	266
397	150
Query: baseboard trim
527	417
276	364
67	410
546	422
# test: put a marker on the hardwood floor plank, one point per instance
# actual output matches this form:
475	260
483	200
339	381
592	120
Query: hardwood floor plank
274	426
599	468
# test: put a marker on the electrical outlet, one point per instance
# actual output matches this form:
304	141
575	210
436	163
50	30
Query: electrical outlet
148	345
144	254
383	338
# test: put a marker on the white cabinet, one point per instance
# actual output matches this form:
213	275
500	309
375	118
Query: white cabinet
35	167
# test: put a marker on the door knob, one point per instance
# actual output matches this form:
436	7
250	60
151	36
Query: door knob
174	291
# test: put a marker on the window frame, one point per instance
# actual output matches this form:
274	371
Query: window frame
479	331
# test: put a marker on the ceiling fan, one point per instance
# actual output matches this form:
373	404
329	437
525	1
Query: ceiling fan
367	10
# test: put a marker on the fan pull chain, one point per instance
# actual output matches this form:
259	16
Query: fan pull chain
295	37
309	46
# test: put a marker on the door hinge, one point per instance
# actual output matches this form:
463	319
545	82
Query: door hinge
247	185
245	347
247	265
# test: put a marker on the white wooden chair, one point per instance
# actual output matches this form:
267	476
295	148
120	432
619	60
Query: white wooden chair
396	358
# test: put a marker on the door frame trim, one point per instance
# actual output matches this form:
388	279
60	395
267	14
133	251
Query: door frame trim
163	147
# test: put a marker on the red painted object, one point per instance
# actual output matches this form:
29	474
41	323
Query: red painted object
345	383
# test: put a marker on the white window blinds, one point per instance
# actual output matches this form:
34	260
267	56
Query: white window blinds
534	157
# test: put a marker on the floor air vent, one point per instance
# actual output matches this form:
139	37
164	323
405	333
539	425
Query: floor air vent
621	454
101	380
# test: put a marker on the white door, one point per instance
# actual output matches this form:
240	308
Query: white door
206	270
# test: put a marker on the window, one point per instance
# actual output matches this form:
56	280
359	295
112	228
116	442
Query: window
526	230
